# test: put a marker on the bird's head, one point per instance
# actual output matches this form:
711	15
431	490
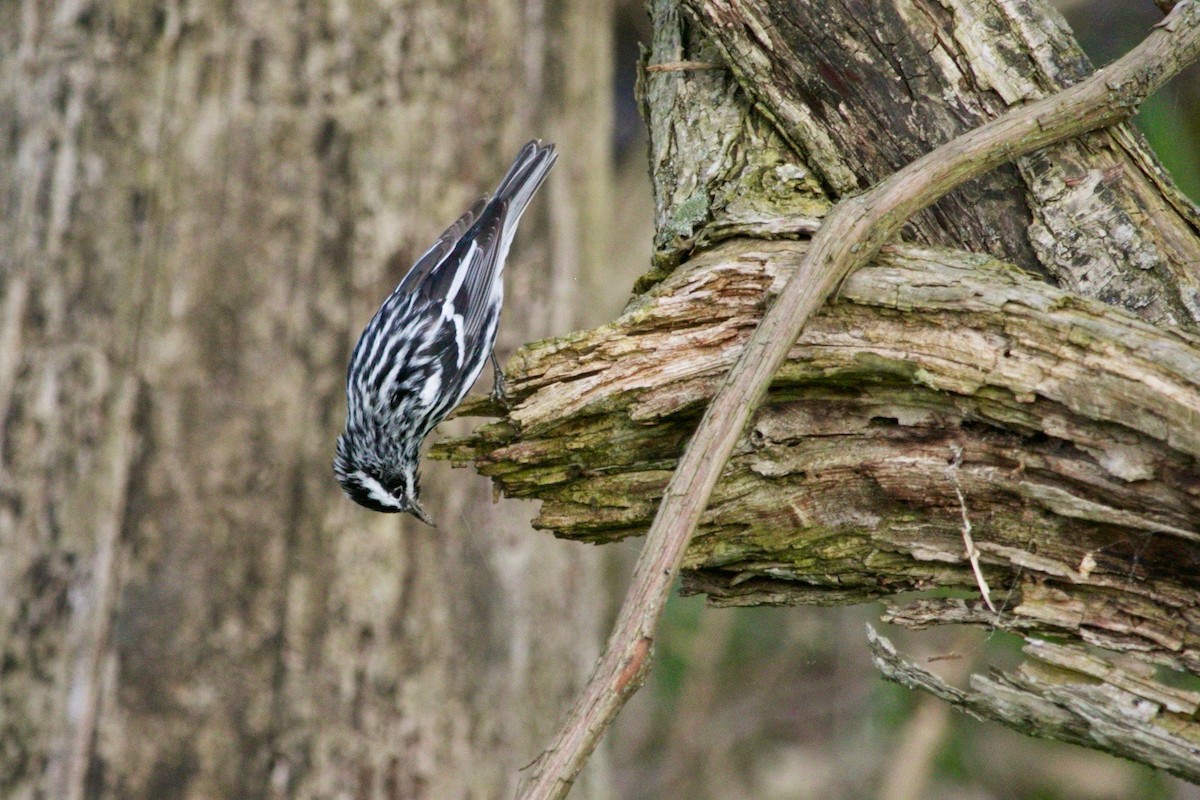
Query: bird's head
358	466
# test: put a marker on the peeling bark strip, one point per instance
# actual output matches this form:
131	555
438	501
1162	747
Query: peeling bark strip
849	237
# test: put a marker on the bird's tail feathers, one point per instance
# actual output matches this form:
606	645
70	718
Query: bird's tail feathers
529	169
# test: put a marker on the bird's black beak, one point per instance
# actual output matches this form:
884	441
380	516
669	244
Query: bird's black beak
421	514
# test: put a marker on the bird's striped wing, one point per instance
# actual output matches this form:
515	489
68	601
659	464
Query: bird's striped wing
435	255
470	275
460	306
428	342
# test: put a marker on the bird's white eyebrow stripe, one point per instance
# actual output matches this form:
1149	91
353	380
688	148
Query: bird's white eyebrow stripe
376	491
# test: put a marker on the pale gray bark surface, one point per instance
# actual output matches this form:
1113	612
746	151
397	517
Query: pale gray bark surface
943	390
201	207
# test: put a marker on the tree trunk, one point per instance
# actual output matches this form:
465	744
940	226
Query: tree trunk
202	206
945	395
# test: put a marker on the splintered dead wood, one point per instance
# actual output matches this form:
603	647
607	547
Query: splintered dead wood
1039	454
838	492
1101	705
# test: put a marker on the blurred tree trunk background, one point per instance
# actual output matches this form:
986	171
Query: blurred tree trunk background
202	204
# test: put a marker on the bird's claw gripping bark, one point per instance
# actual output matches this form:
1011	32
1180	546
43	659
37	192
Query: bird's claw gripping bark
499	389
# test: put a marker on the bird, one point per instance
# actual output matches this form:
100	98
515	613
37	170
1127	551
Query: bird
426	345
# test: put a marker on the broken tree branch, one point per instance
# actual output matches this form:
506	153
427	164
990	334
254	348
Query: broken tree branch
1085	504
1119	711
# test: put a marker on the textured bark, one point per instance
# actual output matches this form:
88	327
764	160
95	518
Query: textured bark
863	91
844	483
944	390
202	205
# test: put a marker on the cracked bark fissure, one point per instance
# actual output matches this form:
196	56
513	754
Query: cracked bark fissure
1029	463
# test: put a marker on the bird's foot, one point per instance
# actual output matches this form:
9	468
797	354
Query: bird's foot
499	387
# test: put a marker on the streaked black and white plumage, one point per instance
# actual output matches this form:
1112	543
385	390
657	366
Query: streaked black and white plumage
424	348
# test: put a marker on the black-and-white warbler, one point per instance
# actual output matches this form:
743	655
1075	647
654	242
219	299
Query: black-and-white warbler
424	348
